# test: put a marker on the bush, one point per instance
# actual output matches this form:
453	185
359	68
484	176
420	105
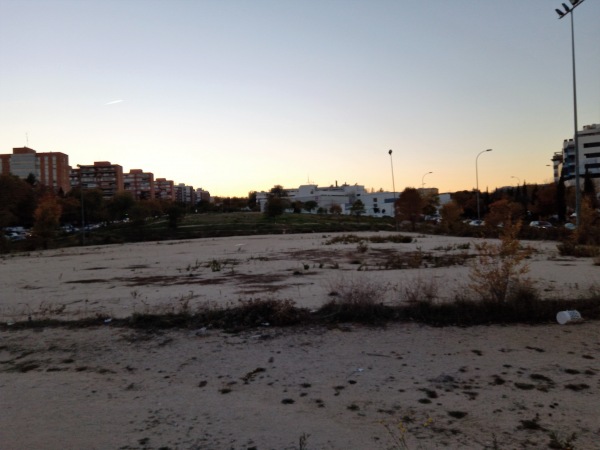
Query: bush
499	268
356	300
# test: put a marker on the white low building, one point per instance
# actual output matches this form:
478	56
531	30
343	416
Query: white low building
377	204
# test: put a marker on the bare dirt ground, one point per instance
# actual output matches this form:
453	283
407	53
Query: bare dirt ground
346	387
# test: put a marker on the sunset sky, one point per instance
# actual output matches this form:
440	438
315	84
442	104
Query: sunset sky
234	96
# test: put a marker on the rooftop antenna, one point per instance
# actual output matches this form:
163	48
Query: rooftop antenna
26	139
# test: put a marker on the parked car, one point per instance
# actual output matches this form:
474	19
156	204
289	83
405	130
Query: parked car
570	226
477	223
540	224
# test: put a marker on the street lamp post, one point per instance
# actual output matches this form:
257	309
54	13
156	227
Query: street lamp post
477	181
393	182
561	14
423	179
394	188
82	210
518	179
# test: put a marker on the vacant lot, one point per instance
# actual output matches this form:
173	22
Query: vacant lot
313	387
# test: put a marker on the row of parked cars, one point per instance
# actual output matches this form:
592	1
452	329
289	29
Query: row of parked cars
16	233
533	224
22	233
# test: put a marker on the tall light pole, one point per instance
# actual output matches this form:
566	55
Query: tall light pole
561	14
393	182
423	179
477	181
82	210
518	179
394	188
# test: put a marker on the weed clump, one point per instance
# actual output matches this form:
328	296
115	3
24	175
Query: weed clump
356	300
499	268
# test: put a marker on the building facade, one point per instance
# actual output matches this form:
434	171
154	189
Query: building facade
101	175
185	194
377	204
49	168
202	196
140	184
164	189
589	157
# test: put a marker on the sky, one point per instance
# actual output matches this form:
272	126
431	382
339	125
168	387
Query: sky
234	96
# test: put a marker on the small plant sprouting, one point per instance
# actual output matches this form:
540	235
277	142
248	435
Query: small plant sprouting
362	247
302	440
215	265
560	443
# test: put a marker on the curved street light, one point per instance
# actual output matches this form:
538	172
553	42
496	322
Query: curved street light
518	179
477	181
423	179
392	165
561	14
394	188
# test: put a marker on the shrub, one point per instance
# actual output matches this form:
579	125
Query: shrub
570	248
420	290
356	300
499	268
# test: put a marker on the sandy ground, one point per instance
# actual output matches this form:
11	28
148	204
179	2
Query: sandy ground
349	387
118	280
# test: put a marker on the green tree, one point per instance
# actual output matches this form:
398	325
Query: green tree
71	209
252	204
544	204
467	200
47	217
310	205
409	206
589	190
118	207
93	204
335	209
431	202
17	201
297	206
561	199
138	214
276	206
450	213
175	213
31	180
358	208
503	212
277	201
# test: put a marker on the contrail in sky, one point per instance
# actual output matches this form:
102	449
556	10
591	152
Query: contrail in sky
113	102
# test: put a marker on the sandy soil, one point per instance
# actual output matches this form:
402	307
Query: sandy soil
349	387
118	280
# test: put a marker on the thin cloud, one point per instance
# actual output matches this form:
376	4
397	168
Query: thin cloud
113	102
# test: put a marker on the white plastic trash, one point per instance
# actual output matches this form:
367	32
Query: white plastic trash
571	315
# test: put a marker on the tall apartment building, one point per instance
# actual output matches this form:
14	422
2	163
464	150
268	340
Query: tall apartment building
202	196
185	194
589	155
139	183
102	175
49	168
164	189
